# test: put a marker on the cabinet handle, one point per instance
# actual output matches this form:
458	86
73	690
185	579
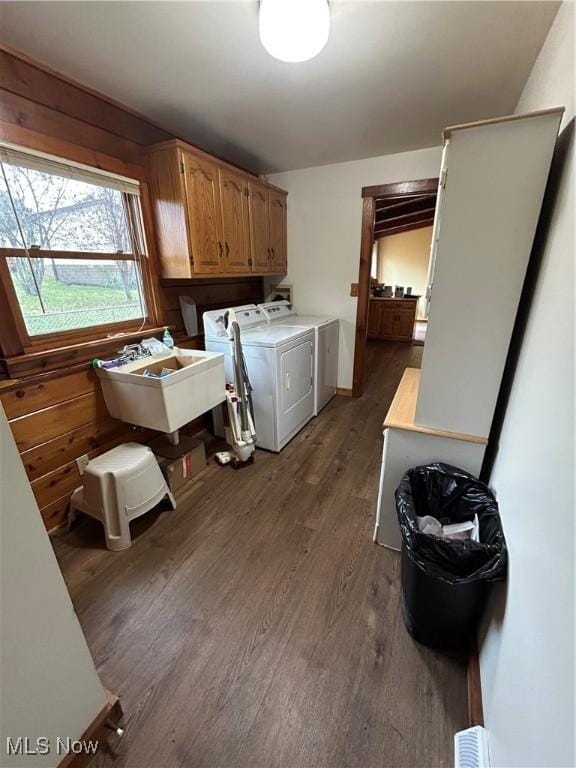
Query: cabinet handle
269	251
273	254
220	248
227	249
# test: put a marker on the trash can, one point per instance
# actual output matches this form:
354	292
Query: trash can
445	581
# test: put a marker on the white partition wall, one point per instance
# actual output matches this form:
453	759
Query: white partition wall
48	684
527	656
495	178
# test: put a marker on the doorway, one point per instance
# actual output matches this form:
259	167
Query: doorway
386	309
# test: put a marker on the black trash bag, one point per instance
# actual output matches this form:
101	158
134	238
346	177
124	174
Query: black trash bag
446	582
451	495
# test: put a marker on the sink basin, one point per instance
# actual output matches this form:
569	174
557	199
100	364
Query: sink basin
194	385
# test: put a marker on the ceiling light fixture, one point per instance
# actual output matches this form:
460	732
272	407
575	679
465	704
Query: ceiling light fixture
294	30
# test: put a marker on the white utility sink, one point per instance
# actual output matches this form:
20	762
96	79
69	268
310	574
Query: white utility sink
197	385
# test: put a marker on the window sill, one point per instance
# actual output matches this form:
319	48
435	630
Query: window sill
47	361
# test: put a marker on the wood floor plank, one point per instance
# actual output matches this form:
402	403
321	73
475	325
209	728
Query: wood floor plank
258	624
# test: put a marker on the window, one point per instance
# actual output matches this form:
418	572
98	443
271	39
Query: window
72	244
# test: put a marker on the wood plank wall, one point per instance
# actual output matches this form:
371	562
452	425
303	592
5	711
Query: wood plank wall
55	419
60	414
209	294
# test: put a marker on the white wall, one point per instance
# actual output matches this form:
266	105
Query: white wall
324	222
48	684
527	656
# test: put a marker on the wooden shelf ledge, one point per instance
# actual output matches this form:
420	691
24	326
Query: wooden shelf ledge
402	411
46	361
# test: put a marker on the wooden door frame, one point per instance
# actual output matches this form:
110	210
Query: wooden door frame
369	196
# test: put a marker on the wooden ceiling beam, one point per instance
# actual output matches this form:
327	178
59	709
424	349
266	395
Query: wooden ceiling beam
419	186
405	218
387	231
408	210
402	202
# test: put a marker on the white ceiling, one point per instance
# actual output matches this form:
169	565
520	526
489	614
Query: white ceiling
392	75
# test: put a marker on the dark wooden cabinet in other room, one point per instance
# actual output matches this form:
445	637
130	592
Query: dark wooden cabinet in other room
392	319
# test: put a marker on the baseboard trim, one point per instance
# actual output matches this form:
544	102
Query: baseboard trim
475	705
344	391
96	731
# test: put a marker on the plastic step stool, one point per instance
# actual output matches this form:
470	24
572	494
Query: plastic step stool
118	486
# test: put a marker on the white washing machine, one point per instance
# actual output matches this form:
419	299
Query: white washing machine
326	334
280	364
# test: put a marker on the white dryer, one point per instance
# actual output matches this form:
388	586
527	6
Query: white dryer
326	335
280	364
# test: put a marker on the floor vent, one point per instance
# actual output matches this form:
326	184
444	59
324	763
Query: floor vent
471	748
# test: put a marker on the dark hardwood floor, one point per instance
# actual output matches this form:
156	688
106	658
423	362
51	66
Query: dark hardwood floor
258	625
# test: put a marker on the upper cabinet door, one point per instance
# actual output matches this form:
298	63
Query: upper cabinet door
259	229
235	221
278	236
203	208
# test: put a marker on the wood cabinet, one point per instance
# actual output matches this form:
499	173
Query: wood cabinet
202	202
212	218
268	239
392	319
277	232
259	228
235	222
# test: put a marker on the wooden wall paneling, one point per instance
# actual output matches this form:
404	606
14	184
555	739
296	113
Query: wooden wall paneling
25	113
40	426
65	358
61	481
27	79
53	490
226	292
193	342
54	145
56	514
222	291
44	391
53	485
60	450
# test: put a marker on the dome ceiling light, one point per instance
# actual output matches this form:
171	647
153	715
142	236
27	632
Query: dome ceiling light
294	30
